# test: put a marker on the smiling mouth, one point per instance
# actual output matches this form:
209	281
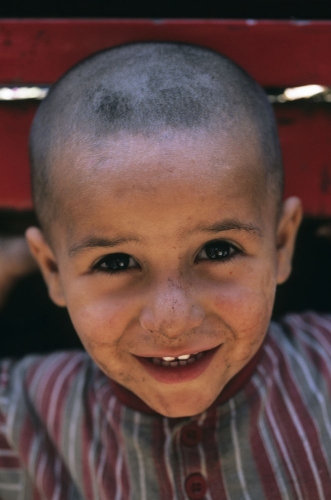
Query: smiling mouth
176	369
173	362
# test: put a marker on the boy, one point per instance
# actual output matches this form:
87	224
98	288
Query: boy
157	179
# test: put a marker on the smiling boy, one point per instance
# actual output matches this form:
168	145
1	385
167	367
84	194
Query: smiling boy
157	179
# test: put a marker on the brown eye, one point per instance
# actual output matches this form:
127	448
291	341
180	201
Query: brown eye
115	262
218	250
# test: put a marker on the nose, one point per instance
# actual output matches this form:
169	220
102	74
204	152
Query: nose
171	310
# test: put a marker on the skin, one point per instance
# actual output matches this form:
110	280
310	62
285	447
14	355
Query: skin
157	197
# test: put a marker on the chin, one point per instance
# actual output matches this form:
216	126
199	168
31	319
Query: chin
183	409
182	413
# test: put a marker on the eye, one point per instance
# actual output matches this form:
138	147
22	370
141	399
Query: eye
115	262
218	250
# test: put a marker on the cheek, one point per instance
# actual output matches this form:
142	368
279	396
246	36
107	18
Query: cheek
101	325
245	308
98	320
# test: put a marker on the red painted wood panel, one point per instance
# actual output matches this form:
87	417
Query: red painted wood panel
275	53
15	121
305	135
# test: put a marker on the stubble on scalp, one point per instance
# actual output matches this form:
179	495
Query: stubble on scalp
148	89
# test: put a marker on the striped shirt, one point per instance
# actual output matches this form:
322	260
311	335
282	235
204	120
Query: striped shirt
68	432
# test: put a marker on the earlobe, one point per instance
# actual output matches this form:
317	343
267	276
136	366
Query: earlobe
47	263
286	236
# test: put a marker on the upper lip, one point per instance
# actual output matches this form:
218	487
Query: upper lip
175	354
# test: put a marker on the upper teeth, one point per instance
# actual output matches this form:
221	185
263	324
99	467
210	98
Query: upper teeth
171	358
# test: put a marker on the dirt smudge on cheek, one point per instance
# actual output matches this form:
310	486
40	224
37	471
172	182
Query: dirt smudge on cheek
123	378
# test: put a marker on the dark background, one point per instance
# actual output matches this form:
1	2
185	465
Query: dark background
235	9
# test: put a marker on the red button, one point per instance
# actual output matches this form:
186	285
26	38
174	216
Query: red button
191	434
195	486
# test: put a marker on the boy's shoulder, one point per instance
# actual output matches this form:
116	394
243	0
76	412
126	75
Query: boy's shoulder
36	369
297	353
42	382
303	330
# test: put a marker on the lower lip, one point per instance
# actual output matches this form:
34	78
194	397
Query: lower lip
175	375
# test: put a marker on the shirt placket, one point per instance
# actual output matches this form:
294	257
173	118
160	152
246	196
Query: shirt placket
193	482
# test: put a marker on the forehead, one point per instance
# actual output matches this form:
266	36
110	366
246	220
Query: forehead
130	172
188	155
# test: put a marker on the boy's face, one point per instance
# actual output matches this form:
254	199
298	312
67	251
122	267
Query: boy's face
170	247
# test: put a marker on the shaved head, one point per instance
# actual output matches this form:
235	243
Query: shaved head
147	89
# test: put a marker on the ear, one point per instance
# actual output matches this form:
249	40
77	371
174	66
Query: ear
286	235
46	260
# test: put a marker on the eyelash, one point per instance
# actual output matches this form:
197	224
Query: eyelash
209	247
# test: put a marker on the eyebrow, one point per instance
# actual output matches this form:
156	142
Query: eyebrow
230	225
91	242
95	242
